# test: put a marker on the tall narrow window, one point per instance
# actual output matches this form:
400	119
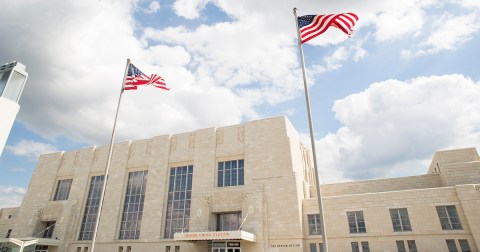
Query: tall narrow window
179	198
63	189
133	205
313	247
320	245
91	208
400	220
314	225
356	223
412	246
452	247
229	221
230	173
448	217
464	246
355	247
401	246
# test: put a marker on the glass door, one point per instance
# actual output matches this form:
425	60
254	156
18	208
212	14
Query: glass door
224	246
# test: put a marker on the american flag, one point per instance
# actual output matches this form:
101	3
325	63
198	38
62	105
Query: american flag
135	77
313	25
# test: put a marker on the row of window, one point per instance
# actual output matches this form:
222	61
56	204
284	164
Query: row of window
355	247
230	173
411	245
400	221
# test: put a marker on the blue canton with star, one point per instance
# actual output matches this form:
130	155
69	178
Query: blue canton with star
305	20
133	71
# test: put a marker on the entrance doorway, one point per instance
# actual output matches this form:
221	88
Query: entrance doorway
224	246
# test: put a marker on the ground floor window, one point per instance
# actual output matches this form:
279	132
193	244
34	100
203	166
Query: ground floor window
401	246
313	247
224	246
452	247
464	246
364	245
412	246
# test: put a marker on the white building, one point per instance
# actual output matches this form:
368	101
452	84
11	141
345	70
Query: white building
241	188
12	82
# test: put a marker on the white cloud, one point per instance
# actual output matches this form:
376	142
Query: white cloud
189	9
238	56
449	33
452	31
30	148
469	3
396	23
11	196
339	56
153	7
393	128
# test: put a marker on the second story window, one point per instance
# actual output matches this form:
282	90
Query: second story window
314	227
229	221
91	208
177	216
133	205
230	173
448	217
356	223
63	189
400	220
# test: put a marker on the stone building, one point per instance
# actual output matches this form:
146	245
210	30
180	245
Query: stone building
242	188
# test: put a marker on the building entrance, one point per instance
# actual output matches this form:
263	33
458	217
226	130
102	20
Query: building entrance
224	246
226	250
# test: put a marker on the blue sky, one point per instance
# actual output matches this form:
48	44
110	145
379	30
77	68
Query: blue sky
405	84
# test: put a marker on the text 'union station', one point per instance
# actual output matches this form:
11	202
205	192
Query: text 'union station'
241	188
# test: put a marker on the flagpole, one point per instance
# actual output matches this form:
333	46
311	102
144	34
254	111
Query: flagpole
109	159
312	140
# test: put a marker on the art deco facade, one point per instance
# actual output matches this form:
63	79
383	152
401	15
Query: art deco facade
246	188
